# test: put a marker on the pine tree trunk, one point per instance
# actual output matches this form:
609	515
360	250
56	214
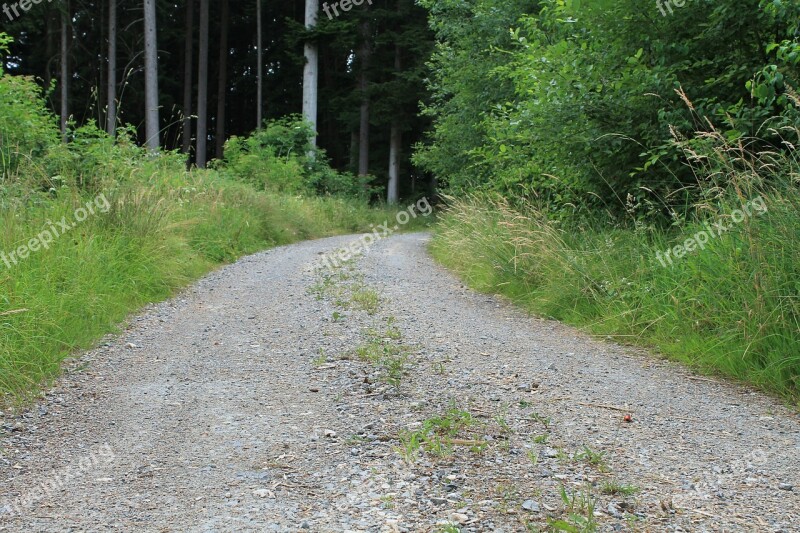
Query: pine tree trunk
111	109
202	87
50	50
151	76
311	69
188	73
65	74
260	68
222	86
395	142
363	86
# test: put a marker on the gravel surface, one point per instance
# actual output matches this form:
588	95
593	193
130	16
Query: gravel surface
276	395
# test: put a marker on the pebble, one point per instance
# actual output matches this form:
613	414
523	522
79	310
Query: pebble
530	505
786	486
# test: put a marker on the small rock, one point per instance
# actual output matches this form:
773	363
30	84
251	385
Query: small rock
550	453
613	511
330	433
530	505
461	518
786	486
262	493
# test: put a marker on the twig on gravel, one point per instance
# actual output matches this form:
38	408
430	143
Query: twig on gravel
612	407
464	442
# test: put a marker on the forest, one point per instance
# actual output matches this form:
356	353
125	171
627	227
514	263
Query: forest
626	167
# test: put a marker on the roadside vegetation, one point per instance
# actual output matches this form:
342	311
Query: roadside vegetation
156	227
630	171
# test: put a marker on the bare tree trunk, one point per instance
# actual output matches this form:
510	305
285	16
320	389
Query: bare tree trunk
311	69
111	109
188	73
260	69
222	86
395	141
202	87
65	75
151	76
52	28
363	86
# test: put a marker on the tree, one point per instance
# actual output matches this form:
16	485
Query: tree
222	86
111	109
151	76
311	68
260	67
363	87
395	142
188	54
202	87
65	74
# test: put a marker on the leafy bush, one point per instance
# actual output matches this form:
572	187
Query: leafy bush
26	127
281	158
579	102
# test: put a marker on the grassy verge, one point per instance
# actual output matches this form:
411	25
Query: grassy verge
731	307
146	239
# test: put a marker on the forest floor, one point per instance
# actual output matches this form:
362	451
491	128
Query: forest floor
383	395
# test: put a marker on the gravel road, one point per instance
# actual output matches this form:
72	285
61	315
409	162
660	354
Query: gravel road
275	395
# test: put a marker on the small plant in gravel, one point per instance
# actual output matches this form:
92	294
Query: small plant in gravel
439	435
449	528
543	420
321	359
365	299
392	359
596	459
579	508
614	488
533	455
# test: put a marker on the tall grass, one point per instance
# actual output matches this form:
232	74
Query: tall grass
159	234
731	308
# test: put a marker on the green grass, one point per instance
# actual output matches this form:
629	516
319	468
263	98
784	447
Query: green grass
614	488
732	308
159	234
437	436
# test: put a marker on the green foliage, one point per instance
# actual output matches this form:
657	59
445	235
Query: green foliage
579	103
277	158
26	128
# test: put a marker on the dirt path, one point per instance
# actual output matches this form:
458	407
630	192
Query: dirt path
384	396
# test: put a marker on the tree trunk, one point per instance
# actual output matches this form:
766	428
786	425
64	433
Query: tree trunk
395	141
151	76
111	109
222	86
260	68
363	86
50	50
202	87
65	27
188	73
311	69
